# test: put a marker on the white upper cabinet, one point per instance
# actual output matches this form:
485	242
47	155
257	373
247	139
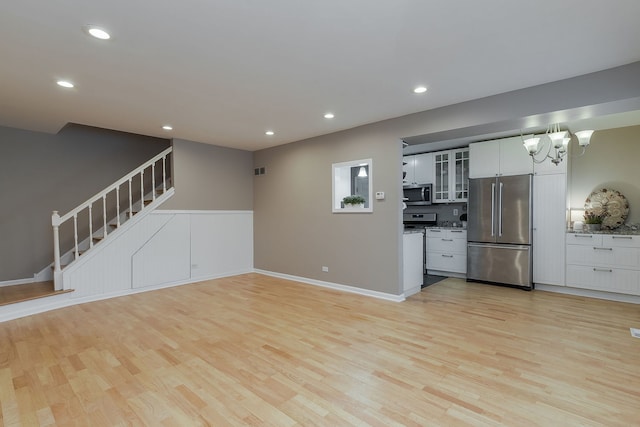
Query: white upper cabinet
418	168
451	183
505	156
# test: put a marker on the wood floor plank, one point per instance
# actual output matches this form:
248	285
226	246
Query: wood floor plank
257	350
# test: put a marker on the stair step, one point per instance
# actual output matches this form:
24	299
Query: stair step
18	293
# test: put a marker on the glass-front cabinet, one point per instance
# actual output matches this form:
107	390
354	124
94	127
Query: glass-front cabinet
451	176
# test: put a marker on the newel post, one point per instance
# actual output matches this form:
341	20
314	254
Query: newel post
55	222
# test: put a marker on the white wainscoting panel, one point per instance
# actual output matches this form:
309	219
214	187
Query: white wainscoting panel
166	247
165	257
108	269
221	243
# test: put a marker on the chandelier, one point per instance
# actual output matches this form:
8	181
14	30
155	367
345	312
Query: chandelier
558	141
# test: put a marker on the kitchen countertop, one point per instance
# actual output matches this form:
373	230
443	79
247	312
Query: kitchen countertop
446	228
621	231
413	230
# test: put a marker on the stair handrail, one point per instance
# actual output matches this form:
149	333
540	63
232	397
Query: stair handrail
57	220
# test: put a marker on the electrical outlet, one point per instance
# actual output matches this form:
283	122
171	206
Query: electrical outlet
325	269
455	212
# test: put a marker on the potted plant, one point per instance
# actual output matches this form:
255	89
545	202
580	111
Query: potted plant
353	202
593	220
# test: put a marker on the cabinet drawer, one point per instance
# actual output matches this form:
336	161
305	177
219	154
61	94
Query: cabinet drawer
603	256
584	239
455	263
621	241
604	279
446	244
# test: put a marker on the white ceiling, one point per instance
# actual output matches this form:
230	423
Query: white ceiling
224	71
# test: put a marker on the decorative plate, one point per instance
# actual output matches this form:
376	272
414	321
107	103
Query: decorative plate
610	201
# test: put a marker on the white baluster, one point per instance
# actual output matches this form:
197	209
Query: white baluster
75	234
104	216
141	189
90	225
130	199
153	182
55	222
164	174
118	206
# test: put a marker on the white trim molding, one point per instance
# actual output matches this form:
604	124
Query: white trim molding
336	286
610	296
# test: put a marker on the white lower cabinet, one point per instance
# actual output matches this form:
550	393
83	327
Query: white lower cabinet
604	262
446	251
412	248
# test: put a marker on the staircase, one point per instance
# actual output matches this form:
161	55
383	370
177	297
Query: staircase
84	228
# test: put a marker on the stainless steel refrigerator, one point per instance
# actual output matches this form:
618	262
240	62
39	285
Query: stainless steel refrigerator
499	230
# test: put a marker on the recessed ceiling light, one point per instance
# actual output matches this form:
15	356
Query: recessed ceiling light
269	132
167	127
329	116
97	32
65	83
420	89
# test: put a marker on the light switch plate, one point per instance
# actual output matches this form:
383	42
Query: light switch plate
379	195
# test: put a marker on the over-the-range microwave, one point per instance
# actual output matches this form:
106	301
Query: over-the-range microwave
417	195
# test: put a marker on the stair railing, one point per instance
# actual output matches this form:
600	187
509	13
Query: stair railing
57	220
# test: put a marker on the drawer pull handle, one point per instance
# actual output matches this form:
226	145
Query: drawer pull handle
622	237
447	256
435	231
602	249
603	270
447	240
456	231
589	236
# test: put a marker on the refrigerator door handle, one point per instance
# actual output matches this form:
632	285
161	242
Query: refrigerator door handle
500	211
493	205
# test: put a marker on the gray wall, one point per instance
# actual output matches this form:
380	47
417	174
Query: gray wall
611	161
208	177
296	233
40	173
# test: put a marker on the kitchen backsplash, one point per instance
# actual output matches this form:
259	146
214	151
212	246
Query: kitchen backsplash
444	212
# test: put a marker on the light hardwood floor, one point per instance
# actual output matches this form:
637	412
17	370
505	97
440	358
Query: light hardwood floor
255	350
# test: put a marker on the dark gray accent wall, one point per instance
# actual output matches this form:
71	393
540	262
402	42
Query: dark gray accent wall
40	173
208	177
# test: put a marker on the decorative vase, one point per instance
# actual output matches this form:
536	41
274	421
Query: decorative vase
356	206
593	227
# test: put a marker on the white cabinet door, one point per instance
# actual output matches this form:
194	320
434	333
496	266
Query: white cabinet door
423	164
451	176
549	228
505	156
484	159
514	158
408	167
412	253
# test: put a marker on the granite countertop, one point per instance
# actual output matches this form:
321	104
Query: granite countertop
413	230
628	230
446	228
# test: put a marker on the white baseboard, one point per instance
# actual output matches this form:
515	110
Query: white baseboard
611	296
336	286
16	282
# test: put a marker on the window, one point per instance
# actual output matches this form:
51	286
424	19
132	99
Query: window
352	179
